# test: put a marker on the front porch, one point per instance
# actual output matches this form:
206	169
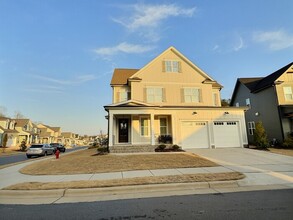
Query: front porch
139	132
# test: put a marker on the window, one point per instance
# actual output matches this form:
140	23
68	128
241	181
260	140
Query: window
154	95
163	126
123	94
192	95
288	93
251	127
144	127
172	66
215	99
247	101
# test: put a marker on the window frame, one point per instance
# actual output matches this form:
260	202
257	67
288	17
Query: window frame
172	66
251	127
285	94
123	92
156	98
197	99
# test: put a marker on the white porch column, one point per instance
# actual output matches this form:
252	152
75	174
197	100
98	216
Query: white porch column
152	129
173	128
110	129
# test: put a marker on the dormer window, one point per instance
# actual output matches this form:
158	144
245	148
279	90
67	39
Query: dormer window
171	66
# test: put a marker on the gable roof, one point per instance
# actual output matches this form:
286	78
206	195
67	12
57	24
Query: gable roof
174	50
120	76
257	84
21	122
270	79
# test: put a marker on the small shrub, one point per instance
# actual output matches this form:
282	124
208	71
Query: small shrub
288	142
162	147
175	147
102	150
23	146
260	136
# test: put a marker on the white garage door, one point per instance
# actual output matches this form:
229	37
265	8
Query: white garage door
226	134
194	134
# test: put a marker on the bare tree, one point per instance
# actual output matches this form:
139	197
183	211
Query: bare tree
18	115
3	111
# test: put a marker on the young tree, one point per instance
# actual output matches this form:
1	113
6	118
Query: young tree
260	136
4	142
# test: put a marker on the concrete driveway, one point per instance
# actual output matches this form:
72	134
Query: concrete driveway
260	167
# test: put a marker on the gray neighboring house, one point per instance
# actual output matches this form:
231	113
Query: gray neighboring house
270	100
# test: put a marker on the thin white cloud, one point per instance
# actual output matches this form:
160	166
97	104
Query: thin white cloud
275	40
240	45
124	48
146	19
78	80
43	90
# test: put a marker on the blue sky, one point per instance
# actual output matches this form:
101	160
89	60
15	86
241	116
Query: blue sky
57	56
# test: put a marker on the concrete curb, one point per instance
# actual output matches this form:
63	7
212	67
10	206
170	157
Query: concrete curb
126	192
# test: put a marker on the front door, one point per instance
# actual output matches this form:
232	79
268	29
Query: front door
123	130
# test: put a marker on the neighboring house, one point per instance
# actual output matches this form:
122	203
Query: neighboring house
7	126
171	100
47	134
69	138
57	135
26	131
270	100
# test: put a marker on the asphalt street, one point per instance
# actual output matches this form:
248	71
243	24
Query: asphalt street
272	204
22	157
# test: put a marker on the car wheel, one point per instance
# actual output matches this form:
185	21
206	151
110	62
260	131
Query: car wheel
45	153
28	156
64	150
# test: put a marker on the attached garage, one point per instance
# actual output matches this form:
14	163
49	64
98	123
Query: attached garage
194	134
226	134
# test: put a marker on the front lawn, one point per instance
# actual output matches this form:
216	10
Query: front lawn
87	161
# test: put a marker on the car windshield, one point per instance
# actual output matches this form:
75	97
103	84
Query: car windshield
54	144
37	146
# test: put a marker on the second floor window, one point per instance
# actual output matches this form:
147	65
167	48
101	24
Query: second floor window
123	95
215	99
247	101
154	95
192	95
288	93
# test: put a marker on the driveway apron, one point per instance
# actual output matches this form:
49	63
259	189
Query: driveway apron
260	167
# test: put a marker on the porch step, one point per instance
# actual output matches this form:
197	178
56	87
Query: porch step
132	148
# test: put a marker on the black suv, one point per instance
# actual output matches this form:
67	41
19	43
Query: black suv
58	146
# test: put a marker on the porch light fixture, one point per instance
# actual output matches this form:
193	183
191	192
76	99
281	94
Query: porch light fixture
194	113
226	113
257	114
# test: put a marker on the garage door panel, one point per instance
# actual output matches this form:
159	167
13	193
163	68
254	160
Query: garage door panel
226	134
194	134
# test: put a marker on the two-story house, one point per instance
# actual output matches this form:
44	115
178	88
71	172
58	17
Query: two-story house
25	130
270	100
171	97
7	127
